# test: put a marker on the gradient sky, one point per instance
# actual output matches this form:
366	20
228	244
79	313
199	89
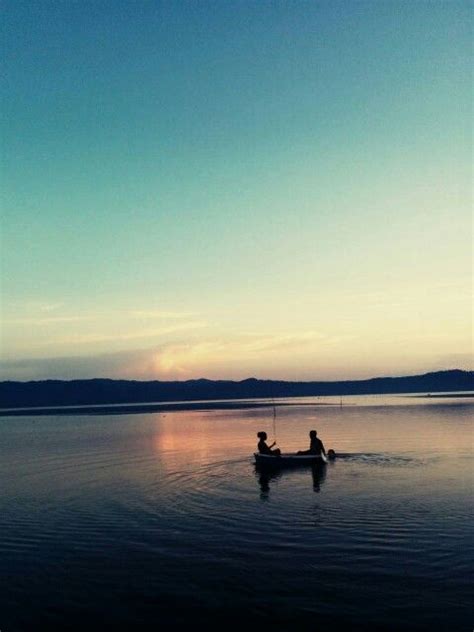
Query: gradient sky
234	189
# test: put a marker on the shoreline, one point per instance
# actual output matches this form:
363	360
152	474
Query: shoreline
131	409
443	395
136	408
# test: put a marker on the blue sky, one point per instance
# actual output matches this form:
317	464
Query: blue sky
225	189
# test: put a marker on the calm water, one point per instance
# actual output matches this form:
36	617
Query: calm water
162	519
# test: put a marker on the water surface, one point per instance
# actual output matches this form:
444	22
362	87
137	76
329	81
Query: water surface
162	518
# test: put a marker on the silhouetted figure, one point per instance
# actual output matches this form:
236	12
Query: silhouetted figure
316	445
331	455
263	448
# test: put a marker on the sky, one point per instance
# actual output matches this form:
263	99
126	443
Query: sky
235	189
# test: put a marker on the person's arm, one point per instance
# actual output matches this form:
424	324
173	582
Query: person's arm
274	443
322	448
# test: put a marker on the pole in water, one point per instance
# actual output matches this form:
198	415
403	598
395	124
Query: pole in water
274	415
274	421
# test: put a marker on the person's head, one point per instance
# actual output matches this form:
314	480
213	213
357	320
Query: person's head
331	454
262	435
312	434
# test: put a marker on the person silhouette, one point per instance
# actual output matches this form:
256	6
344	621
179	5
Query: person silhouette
263	448
315	446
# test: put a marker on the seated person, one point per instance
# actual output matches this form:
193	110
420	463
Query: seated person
316	445
263	448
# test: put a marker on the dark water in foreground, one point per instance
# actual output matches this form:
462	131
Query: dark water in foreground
162	520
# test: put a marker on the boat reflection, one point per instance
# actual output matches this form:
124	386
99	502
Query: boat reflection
266	474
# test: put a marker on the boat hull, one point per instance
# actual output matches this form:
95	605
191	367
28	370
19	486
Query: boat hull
285	460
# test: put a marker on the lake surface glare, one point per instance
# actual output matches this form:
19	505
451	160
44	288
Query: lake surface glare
163	519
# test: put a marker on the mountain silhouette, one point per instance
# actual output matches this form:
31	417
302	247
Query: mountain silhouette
106	391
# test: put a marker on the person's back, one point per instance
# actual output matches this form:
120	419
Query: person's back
316	445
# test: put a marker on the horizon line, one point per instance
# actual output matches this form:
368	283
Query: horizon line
247	379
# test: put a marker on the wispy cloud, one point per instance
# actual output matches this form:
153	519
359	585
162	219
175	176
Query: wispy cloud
43	315
33	307
94	338
49	307
159	314
46	320
260	343
313	356
192	357
185	359
124	364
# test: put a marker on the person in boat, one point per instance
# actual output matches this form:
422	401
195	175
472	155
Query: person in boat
315	446
263	448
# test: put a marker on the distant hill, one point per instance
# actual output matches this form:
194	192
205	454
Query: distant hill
104	391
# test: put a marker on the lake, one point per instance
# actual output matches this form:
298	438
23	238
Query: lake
142	520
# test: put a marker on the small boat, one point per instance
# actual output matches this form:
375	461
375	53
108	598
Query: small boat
289	459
